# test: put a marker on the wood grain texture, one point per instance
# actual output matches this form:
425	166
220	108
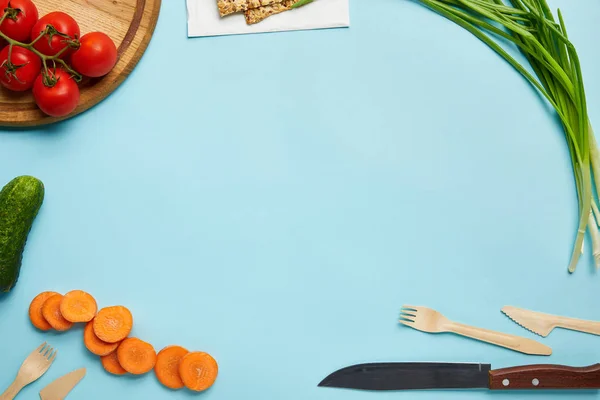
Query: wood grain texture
130	23
546	376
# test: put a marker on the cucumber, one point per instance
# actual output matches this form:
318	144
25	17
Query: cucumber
20	201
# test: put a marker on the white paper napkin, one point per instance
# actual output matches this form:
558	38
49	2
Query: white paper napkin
204	19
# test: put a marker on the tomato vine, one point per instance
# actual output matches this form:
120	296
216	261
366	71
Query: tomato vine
48	78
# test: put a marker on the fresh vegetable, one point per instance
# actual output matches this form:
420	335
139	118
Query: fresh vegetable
136	356
106	336
95	345
36	51
301	3
111	364
96	56
78	306
167	366
542	39
21	16
63	33
56	93
20	201
19	73
35	311
51	313
198	371
113	324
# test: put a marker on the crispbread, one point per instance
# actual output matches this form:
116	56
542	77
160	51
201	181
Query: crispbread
256	15
227	7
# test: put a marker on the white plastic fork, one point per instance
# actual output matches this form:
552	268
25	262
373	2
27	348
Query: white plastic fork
34	366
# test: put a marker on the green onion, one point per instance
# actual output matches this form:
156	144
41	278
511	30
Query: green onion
301	3
542	38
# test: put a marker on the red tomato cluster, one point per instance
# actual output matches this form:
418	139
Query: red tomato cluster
49	56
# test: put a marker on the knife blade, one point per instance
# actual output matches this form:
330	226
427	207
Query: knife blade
60	388
542	323
415	375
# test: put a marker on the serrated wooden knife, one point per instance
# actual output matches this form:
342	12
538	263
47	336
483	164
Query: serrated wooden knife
416	376
542	324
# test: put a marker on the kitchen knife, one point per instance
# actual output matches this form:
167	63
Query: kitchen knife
407	376
60	388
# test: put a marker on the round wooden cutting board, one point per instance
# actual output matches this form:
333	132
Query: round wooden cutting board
130	23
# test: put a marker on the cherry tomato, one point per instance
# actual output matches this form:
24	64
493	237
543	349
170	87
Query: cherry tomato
67	29
23	16
60	99
20	73
96	56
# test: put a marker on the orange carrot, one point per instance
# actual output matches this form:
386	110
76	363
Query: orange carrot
95	345
167	366
35	311
78	306
113	324
136	356
198	371
111	364
51	313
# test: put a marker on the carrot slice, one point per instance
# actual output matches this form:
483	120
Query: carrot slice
51	313
95	345
198	371
113	324
167	366
136	356
110	363
35	311
78	306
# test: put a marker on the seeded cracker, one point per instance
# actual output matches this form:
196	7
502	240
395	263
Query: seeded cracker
227	7
258	14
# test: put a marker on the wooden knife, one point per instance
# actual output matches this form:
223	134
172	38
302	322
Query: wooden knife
414	376
542	324
60	388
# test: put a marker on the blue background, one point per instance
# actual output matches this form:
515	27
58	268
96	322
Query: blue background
274	199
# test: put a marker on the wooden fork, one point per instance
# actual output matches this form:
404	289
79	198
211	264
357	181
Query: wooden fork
427	320
34	366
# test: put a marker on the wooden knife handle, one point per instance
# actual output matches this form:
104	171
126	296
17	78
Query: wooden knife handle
580	325
546	376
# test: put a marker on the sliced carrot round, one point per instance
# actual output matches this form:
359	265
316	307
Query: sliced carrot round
113	324
78	306
110	363
167	366
136	356
51	313
198	371
95	345
35	311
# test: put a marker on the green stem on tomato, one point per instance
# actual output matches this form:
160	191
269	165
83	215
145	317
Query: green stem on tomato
41	35
76	76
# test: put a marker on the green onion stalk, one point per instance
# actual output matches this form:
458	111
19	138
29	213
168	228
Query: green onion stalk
543	40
